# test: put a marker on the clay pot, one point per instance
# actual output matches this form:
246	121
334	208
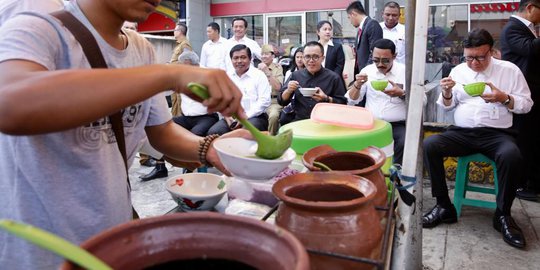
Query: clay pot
148	242
366	162
333	212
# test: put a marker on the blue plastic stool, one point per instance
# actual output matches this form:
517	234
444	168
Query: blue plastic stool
462	183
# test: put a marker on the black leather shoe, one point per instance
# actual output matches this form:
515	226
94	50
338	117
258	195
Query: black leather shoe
510	231
438	215
150	162
158	172
526	194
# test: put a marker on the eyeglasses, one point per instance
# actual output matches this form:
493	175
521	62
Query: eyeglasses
478	58
385	61
314	57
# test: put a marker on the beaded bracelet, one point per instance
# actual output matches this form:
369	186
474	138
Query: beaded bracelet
204	146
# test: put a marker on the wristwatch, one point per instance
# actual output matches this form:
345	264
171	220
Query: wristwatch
507	101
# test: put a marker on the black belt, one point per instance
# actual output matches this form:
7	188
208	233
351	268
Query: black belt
273	96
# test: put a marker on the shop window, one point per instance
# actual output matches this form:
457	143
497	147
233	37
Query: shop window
492	17
344	32
448	26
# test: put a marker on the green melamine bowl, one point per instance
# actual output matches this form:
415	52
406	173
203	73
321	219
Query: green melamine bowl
474	89
379	85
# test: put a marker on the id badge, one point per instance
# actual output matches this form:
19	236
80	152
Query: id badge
494	113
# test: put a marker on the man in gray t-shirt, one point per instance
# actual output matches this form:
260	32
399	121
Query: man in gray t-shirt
60	167
9	8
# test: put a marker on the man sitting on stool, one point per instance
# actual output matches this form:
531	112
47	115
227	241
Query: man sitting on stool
482	126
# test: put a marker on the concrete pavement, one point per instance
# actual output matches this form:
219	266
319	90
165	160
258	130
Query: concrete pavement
472	243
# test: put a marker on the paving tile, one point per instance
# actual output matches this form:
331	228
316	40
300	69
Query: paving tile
472	243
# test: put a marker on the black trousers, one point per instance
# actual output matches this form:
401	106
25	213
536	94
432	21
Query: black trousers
198	125
497	144
221	127
398	134
528	141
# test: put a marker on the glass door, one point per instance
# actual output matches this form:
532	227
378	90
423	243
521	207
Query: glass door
285	31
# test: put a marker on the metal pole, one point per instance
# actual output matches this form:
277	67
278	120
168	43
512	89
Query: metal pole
407	251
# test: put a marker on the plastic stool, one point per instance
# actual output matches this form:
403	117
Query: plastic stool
462	183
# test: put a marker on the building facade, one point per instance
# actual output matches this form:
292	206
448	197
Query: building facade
287	24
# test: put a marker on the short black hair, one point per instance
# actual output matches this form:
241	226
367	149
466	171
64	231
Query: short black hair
314	43
478	37
240	47
523	4
391	4
214	26
356	6
182	27
384	44
322	23
240	19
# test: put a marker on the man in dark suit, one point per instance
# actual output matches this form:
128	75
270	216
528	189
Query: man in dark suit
369	31
521	46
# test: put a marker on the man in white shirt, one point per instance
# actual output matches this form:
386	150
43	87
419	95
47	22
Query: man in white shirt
240	37
482	126
393	30
255	89
388	105
214	51
195	116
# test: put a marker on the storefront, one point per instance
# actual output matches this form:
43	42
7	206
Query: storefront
450	23
287	24
284	23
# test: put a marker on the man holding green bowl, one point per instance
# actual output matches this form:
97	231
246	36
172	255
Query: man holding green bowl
382	83
482	125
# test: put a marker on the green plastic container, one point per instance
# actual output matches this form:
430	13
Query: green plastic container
308	134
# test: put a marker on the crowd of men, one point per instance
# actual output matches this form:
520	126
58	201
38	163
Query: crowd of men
61	136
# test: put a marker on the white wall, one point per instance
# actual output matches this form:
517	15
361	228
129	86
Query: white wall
163	45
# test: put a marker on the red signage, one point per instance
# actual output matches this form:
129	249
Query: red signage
498	7
156	22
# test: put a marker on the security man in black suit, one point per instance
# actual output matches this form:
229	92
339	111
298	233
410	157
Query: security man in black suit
521	46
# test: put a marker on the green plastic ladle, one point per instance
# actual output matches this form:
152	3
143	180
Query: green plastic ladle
268	147
54	243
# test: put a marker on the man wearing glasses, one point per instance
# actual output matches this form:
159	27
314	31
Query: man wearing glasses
388	105
520	45
330	87
482	125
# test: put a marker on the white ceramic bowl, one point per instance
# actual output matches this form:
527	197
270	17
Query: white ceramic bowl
307	92
238	156
196	191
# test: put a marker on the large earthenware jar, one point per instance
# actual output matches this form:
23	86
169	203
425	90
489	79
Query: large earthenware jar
366	162
332	212
197	241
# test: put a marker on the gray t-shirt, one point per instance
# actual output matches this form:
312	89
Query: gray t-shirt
72	183
9	8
